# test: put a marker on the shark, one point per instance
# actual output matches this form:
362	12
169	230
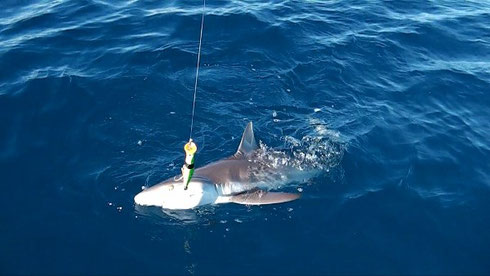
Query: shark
243	178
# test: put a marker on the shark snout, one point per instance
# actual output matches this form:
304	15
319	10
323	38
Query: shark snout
139	198
148	198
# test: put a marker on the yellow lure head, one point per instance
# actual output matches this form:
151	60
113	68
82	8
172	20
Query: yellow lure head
190	148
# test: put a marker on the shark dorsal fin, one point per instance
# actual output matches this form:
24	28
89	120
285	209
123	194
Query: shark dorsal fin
247	144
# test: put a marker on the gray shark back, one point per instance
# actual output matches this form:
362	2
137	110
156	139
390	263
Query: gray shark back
243	171
230	176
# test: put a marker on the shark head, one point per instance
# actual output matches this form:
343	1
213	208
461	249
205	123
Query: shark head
171	194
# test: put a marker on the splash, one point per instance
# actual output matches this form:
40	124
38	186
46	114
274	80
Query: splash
309	153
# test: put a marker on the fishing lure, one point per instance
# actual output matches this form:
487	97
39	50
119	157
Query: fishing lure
188	168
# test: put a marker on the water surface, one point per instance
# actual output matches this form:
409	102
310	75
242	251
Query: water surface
95	102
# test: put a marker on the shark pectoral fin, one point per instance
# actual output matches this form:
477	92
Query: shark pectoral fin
260	197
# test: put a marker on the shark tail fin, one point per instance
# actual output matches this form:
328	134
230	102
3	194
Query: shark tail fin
261	197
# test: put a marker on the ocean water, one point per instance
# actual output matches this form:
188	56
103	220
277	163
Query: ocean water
390	98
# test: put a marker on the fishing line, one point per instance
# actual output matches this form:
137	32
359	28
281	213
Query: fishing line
197	70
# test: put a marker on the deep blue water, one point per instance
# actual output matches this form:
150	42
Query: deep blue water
95	102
